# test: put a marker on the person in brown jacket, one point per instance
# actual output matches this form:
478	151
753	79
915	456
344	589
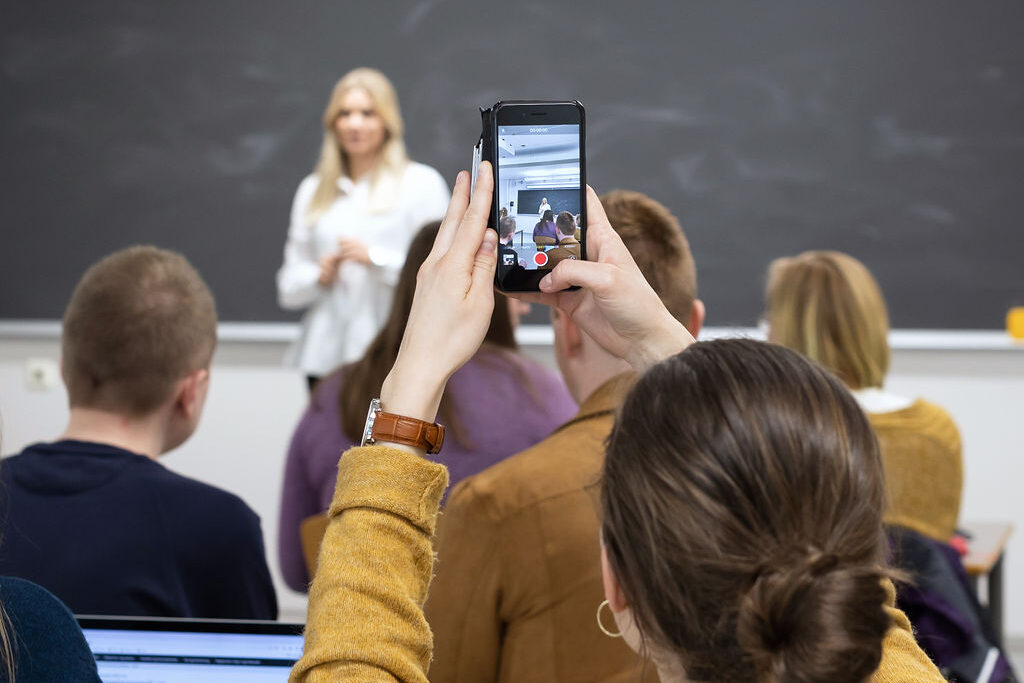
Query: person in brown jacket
568	245
517	577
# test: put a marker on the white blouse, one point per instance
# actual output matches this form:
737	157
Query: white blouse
344	318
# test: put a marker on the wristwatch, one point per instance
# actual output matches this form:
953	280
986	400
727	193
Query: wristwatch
381	426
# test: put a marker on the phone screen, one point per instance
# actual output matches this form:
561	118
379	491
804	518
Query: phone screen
539	197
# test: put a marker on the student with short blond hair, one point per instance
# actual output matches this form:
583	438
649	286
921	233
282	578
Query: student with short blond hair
828	306
93	517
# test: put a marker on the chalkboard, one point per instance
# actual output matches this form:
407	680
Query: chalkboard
558	200
890	130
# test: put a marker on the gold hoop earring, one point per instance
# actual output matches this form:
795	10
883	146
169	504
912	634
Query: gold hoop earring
601	626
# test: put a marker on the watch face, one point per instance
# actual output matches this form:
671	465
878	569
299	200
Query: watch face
371	416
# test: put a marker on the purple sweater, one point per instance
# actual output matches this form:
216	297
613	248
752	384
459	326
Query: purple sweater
498	413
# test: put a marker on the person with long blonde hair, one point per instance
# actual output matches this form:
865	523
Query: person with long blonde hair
351	223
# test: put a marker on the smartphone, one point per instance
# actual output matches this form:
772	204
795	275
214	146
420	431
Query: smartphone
537	150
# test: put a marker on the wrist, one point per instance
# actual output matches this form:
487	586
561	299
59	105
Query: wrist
664	341
412	390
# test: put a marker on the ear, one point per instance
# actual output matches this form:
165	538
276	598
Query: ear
696	317
192	393
567	334
612	591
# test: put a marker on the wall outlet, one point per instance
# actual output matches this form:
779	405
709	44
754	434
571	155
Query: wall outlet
41	374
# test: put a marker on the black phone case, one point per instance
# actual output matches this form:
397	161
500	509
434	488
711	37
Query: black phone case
516	278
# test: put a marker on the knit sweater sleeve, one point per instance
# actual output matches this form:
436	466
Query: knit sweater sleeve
903	660
365	619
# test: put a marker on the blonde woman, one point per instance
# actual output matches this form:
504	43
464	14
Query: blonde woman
828	306
351	223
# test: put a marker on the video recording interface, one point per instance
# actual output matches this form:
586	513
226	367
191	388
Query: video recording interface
538	195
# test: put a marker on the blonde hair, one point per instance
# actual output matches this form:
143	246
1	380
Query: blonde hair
827	306
392	159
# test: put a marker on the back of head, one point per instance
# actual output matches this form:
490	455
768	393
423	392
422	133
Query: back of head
363	379
506	226
743	507
565	224
549	216
138	321
656	241
827	306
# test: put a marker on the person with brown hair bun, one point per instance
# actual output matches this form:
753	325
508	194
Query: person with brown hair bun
770	475
827	306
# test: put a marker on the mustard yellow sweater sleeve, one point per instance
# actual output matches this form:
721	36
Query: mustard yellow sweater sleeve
903	660
365	620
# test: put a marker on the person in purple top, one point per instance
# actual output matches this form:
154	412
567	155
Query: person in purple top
498	404
545	227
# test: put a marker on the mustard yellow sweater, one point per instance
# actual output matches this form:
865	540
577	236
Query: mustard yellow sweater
365	619
924	470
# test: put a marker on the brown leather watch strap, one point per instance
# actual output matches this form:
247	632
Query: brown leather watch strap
409	431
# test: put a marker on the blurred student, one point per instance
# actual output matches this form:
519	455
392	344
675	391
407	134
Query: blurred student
545	227
828	306
790	592
497	404
521	538
93	517
351	223
568	246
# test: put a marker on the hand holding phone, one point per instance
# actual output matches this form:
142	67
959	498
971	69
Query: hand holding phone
611	300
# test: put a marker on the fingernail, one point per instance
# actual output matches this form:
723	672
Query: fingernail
460	177
545	282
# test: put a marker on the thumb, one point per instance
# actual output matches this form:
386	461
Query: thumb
573	272
485	262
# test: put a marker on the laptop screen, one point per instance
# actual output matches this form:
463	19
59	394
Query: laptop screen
154	650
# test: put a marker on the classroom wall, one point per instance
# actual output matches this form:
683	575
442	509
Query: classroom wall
254	402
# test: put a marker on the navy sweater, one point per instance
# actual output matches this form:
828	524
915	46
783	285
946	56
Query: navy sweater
112	532
46	641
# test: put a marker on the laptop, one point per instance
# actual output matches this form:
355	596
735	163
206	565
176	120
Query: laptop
161	650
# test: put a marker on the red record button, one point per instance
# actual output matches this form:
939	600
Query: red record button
540	258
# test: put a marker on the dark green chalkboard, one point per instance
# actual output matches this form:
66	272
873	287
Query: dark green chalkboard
891	130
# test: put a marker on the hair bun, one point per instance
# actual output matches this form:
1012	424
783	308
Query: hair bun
814	620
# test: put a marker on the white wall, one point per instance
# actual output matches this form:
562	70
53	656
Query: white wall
254	403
